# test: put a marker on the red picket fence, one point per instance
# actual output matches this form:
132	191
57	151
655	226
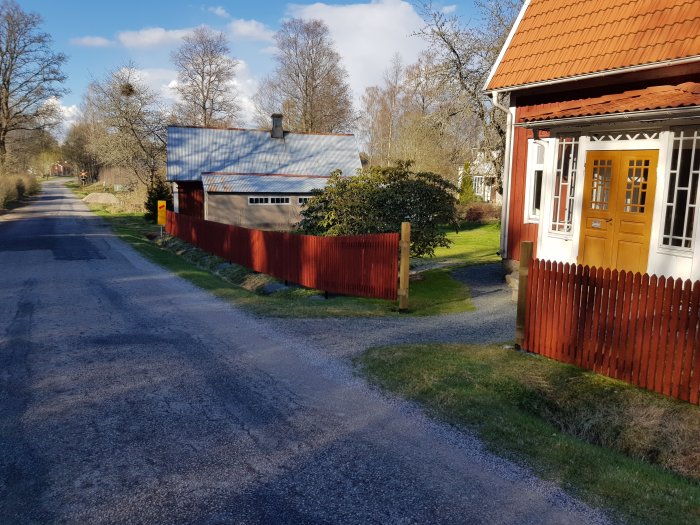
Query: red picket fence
637	328
362	265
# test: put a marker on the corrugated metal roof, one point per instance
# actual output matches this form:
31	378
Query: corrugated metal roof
193	151
657	97
566	38
261	184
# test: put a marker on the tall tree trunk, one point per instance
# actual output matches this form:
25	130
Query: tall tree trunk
3	152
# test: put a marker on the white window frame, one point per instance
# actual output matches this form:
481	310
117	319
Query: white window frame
531	215
267	200
572	206
302	200
668	248
286	200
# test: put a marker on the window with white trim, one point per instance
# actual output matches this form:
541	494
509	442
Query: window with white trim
682	190
303	200
269	200
564	187
535	172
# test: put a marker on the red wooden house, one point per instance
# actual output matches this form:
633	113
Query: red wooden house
602	159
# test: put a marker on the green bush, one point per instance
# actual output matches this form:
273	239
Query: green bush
479	212
378	200
159	191
466	189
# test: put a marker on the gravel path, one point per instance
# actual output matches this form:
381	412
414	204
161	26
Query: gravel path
493	321
127	395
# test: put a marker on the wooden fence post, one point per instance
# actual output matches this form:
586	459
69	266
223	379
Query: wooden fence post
405	245
525	258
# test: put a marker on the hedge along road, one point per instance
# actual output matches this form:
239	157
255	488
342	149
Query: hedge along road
128	395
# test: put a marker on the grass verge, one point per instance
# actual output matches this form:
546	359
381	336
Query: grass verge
437	293
474	243
614	445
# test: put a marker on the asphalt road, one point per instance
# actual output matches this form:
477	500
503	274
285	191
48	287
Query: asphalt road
129	396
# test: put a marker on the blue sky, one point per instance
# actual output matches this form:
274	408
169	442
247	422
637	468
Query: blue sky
99	36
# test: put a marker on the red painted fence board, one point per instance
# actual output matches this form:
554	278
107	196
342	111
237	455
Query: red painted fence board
641	329
361	265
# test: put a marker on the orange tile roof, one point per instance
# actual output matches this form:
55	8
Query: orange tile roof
657	97
566	38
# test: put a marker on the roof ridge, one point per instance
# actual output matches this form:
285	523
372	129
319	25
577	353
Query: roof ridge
212	128
241	174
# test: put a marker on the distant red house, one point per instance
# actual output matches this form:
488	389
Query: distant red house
603	151
61	169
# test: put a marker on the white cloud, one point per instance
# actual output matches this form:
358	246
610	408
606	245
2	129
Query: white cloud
152	36
91	41
368	35
251	30
246	85
161	80
449	9
70	115
219	11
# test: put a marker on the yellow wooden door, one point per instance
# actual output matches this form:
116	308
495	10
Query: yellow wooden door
618	204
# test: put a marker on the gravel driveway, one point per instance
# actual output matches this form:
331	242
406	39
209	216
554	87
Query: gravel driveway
129	396
492	322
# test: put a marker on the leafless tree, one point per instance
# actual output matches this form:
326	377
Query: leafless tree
77	149
465	54
309	85
30	75
415	115
205	80
32	151
380	114
132	130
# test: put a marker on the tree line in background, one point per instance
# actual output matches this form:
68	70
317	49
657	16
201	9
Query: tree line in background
431	113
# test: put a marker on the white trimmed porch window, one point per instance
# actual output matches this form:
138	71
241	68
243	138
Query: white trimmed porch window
564	187
535	172
681	197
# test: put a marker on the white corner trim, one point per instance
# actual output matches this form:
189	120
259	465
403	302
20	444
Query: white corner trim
506	179
497	63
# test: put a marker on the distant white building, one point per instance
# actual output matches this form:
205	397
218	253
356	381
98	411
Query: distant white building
483	179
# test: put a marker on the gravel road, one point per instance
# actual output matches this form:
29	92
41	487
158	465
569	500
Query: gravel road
129	396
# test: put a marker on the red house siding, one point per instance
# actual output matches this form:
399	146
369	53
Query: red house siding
190	197
535	102
518	230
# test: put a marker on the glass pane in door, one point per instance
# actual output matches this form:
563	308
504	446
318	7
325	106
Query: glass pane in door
600	184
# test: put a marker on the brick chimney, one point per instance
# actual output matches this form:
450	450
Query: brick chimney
277	131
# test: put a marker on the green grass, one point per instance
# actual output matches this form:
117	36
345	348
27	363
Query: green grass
437	293
473	244
602	439
81	190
